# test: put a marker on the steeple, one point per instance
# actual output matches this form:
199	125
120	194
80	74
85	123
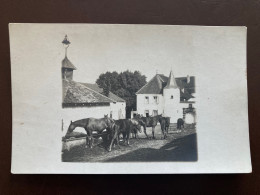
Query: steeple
171	83
67	67
66	44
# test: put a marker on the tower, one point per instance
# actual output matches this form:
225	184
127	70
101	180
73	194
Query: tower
171	94
67	67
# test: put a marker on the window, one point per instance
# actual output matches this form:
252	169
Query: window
155	112
156	99
146	113
146	100
190	105
171	96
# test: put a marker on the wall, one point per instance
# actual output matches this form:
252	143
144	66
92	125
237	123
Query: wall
142	106
172	107
115	109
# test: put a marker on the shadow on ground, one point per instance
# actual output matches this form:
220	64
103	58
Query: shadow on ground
181	149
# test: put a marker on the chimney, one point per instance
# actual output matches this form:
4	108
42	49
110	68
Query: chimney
188	79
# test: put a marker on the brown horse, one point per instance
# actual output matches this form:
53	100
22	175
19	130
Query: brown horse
90	125
149	122
180	123
165	123
125	127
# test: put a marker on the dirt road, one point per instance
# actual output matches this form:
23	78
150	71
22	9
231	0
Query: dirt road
179	146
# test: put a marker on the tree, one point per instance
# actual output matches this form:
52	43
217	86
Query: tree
124	85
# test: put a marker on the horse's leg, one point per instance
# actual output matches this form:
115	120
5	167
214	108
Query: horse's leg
124	137
145	132
90	138
153	132
127	138
117	141
162	132
87	141
87	138
112	140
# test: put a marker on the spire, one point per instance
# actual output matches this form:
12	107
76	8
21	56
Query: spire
66	63
66	44
171	83
67	67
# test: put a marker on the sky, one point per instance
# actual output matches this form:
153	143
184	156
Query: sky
95	49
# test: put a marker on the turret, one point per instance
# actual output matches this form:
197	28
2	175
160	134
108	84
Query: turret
171	94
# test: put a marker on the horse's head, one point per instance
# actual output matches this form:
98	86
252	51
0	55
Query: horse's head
138	116
137	124
70	128
137	128
159	117
110	122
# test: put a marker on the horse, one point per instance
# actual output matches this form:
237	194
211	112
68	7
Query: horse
180	123
137	124
114	133
149	122
90	125
125	127
165	123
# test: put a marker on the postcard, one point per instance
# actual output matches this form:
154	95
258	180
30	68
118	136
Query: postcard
118	98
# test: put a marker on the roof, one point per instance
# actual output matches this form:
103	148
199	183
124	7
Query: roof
154	86
96	88
171	83
66	63
74	92
159	81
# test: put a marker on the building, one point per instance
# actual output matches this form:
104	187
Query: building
84	100
169	96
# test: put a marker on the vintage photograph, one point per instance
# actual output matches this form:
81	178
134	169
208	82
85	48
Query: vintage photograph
125	115
128	98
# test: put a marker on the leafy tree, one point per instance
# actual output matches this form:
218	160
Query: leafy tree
124	85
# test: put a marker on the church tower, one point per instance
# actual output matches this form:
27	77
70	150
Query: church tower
171	94
67	67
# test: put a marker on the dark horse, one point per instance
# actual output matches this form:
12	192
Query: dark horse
137	127
125	127
149	122
90	125
165	123
180	123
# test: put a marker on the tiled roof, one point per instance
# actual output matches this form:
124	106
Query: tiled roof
154	86
74	92
159	81
66	63
96	88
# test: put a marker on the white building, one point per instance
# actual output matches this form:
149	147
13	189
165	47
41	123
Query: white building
170	97
84	100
